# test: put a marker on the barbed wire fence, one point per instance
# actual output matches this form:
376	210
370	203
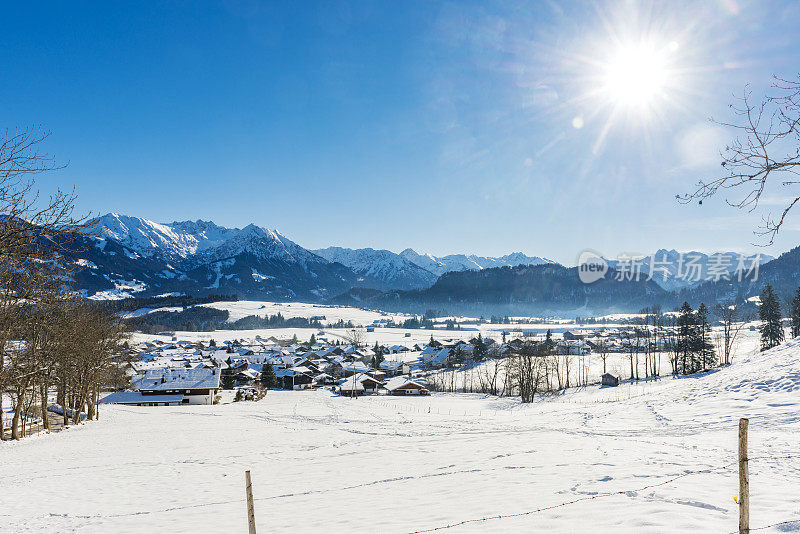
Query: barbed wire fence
614	493
498	517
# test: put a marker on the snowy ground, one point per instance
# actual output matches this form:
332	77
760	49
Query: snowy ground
243	308
388	464
360	318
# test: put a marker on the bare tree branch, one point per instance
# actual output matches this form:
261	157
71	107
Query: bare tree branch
767	144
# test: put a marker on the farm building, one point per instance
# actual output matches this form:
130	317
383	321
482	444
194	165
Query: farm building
197	386
401	385
610	380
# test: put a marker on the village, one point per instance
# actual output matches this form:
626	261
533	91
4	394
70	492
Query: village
181	371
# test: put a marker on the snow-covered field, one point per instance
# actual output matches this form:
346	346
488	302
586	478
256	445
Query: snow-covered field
358	316
392	464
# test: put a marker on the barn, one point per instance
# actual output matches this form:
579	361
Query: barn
610	380
401	385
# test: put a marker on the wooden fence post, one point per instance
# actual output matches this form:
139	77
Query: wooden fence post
251	514
744	479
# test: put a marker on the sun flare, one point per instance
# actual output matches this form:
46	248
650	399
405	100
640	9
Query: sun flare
636	76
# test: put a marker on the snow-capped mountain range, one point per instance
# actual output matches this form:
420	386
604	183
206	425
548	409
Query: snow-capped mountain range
197	242
392	270
130	255
124	256
461	262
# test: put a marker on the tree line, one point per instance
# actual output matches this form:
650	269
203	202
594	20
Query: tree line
207	319
52	341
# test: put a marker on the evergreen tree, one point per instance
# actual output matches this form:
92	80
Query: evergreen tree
378	358
312	340
227	377
212	343
458	354
769	312
294	339
686	339
480	349
705	348
268	378
549	338
795	311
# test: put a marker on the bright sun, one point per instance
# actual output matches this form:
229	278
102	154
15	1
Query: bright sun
636	76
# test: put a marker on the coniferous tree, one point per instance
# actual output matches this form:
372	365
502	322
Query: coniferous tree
228	381
685	339
268	378
480	349
378	358
706	356
769	311
795	311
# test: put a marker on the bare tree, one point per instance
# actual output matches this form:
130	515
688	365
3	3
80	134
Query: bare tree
767	144
732	324
489	372
44	340
602	349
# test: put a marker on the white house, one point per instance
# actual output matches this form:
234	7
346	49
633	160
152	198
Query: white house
198	386
401	385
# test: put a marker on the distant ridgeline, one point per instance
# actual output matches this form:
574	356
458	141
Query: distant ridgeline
135	260
553	289
522	290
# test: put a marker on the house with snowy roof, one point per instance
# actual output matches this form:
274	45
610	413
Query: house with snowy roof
294	378
360	384
393	368
401	385
430	350
353	368
437	359
166	386
197	386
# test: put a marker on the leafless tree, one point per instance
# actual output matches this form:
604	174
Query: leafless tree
489	372
767	144
602	349
355	337
732	324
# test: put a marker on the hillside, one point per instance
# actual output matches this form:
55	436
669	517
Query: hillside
541	289
783	273
475	456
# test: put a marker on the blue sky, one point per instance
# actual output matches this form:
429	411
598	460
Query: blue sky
447	127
